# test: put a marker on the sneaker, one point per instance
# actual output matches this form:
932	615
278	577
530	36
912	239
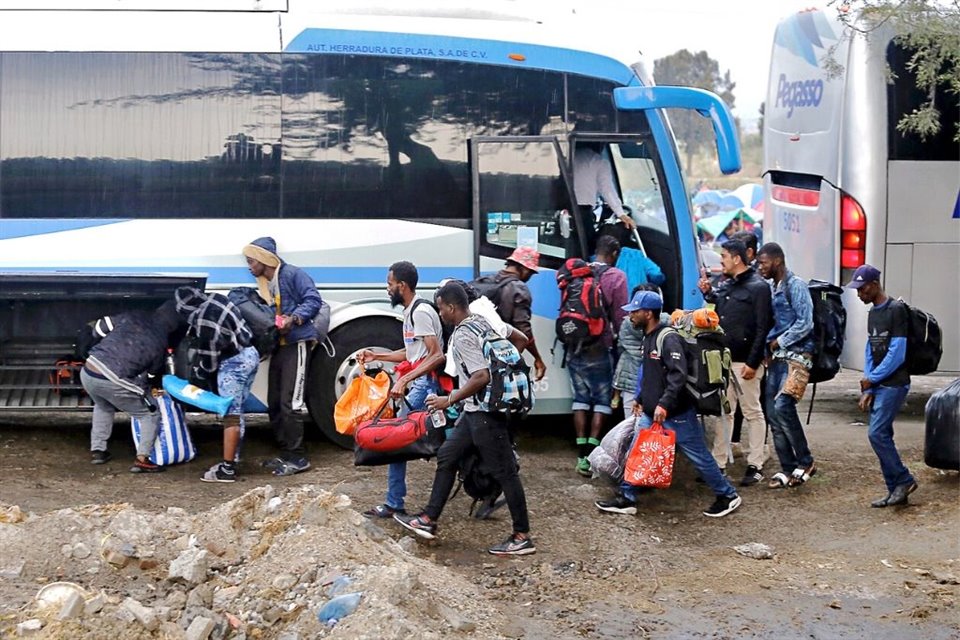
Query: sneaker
145	466
219	473
272	463
488	506
618	505
752	476
583	467
722	506
292	467
514	546
419	524
100	457
383	511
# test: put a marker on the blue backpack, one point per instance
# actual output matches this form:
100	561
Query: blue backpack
509	388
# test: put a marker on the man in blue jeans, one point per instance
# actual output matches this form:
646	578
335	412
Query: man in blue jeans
418	361
886	380
663	398
790	345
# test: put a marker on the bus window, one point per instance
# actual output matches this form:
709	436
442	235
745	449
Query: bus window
139	135
903	98
521	193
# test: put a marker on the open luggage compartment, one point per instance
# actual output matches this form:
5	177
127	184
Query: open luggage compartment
40	316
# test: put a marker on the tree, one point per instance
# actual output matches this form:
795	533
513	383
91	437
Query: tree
930	30
693	70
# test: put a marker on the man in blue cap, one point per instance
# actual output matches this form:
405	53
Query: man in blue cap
886	380
663	398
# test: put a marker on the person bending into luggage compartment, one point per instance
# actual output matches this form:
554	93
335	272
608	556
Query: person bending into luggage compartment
224	349
418	363
115	377
477	426
663	398
295	300
886	380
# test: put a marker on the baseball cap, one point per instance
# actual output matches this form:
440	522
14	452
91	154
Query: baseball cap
864	274
526	257
644	300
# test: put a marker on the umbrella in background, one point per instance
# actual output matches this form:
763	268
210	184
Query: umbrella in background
715	225
750	196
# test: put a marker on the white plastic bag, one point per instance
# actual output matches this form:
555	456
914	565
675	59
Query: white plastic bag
609	458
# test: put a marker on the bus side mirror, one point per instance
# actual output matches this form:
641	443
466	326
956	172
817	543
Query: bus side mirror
706	103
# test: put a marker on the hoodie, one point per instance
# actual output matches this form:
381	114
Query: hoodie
218	326
137	344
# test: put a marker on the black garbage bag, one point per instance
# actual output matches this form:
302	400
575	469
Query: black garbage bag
941	448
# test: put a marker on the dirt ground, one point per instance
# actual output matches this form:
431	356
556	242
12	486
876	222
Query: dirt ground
841	569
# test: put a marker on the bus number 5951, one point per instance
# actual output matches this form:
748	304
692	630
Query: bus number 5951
791	221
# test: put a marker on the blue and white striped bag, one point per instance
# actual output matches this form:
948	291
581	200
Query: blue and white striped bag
173	444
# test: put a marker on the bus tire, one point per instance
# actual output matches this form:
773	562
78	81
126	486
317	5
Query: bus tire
330	376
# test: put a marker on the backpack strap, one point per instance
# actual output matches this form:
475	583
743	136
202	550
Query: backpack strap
663	336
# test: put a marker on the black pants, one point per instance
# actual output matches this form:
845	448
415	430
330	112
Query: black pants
488	432
287	426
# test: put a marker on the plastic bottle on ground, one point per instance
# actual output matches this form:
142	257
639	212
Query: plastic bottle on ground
338	608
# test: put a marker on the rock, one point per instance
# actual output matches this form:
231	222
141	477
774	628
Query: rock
191	565
222	597
144	615
408	544
513	629
94	604
176	600
28	627
72	607
200	596
216	548
289	635
177	512
307	576
80	551
13	572
148	564
200	628
116	559
272	614
284	581
453	617
273	504
755	550
128	550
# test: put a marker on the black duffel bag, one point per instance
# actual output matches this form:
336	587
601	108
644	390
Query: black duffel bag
941	447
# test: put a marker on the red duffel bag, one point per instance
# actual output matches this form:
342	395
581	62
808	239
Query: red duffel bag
390	434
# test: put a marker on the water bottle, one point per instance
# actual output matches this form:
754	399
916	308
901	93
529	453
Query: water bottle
338	608
171	367
339	584
439	419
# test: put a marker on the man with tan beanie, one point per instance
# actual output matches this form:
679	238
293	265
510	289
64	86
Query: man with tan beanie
295	300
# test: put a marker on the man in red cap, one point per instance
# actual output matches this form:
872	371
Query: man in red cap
508	291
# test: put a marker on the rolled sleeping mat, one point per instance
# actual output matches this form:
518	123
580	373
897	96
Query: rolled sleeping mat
194	395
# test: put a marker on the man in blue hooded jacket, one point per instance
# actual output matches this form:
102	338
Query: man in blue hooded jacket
295	300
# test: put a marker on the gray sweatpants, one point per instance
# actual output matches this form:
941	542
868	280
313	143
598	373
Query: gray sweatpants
108	398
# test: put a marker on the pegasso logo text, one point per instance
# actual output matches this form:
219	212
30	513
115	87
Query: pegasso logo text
801	93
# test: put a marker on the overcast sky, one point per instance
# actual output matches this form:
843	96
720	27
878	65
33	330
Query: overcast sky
736	33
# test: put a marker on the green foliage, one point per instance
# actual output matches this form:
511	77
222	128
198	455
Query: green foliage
930	29
699	70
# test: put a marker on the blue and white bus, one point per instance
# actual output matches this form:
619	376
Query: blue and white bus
140	149
844	187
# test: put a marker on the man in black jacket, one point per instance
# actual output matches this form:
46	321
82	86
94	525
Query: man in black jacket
745	317
663	398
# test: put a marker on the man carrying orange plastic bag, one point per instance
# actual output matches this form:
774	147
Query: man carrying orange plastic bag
663	398
362	400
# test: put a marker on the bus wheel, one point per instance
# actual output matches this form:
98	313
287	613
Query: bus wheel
329	377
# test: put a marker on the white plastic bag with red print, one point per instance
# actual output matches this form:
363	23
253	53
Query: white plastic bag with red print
650	461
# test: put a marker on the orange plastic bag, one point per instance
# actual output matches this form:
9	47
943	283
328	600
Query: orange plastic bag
650	460
361	401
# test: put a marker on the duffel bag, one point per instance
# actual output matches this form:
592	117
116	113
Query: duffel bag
385	440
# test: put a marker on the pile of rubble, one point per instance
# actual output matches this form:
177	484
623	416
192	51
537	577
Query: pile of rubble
259	566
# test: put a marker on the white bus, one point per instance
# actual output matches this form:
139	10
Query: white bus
845	188
141	149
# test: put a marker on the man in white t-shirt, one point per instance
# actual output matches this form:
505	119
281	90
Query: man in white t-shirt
418	363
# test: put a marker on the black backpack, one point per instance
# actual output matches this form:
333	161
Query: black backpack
489	287
582	319
258	316
924	342
476	481
829	327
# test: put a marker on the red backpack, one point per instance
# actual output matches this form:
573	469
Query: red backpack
582	319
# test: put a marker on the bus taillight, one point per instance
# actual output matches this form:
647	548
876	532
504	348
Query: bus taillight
853	236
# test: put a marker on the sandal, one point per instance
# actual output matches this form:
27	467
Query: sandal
778	481
800	476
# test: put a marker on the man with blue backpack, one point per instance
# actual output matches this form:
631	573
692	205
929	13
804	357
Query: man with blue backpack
493	383
886	380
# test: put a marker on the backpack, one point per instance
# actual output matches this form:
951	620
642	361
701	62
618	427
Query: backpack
924	342
709	362
258	316
445	331
829	326
582	319
488	287
509	388
477	482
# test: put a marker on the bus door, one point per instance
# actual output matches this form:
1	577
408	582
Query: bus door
521	198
